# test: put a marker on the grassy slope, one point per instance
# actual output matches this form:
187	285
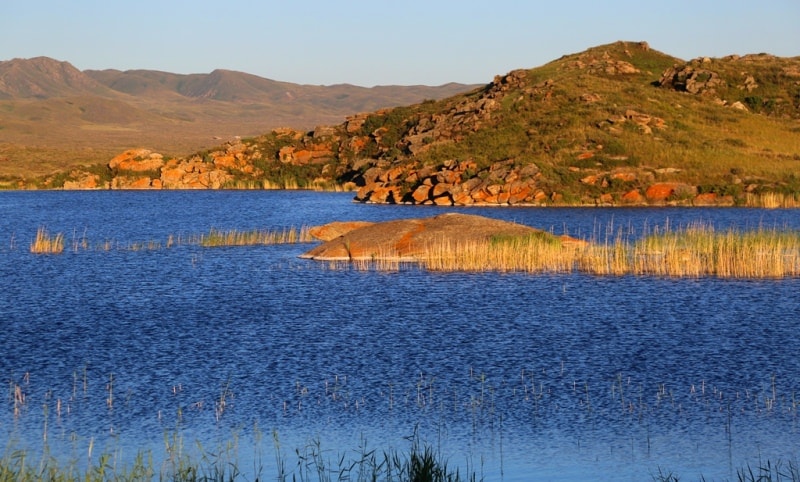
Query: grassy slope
564	117
709	143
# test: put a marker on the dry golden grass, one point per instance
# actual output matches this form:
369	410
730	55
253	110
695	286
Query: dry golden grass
216	238
772	200
696	251
702	251
604	259
532	254
46	244
383	263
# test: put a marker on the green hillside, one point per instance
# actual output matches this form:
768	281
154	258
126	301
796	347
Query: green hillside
616	124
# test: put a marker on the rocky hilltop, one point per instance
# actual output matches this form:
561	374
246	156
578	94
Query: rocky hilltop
619	124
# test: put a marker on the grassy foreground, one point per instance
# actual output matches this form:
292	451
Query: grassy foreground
420	463
766	471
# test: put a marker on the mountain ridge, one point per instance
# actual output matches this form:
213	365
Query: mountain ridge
45	125
45	77
42	78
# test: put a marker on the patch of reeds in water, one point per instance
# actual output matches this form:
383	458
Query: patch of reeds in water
294	185
216	238
696	251
700	251
772	200
730	254
530	254
47	244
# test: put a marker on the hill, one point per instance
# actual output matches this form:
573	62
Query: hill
56	117
616	124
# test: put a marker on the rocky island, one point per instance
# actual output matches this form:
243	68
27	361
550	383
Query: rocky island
412	239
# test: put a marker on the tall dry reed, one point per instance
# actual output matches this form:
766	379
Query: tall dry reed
702	251
46	244
216	238
530	254
772	200
696	251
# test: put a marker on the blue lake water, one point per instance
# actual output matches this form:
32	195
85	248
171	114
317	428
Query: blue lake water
514	376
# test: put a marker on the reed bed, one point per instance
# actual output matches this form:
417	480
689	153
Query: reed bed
696	251
293	185
383	265
772	200
44	243
216	238
702	251
530	254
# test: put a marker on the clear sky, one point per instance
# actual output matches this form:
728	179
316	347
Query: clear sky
381	42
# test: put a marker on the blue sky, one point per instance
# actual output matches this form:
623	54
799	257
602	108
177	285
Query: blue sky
380	42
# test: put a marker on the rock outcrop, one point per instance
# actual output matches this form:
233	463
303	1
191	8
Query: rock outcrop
144	169
693	79
458	183
136	160
84	181
335	229
605	63
407	239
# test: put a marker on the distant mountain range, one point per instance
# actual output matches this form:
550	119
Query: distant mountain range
55	115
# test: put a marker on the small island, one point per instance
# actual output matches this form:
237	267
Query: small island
461	242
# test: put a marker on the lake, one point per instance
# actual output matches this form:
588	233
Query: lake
126	342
